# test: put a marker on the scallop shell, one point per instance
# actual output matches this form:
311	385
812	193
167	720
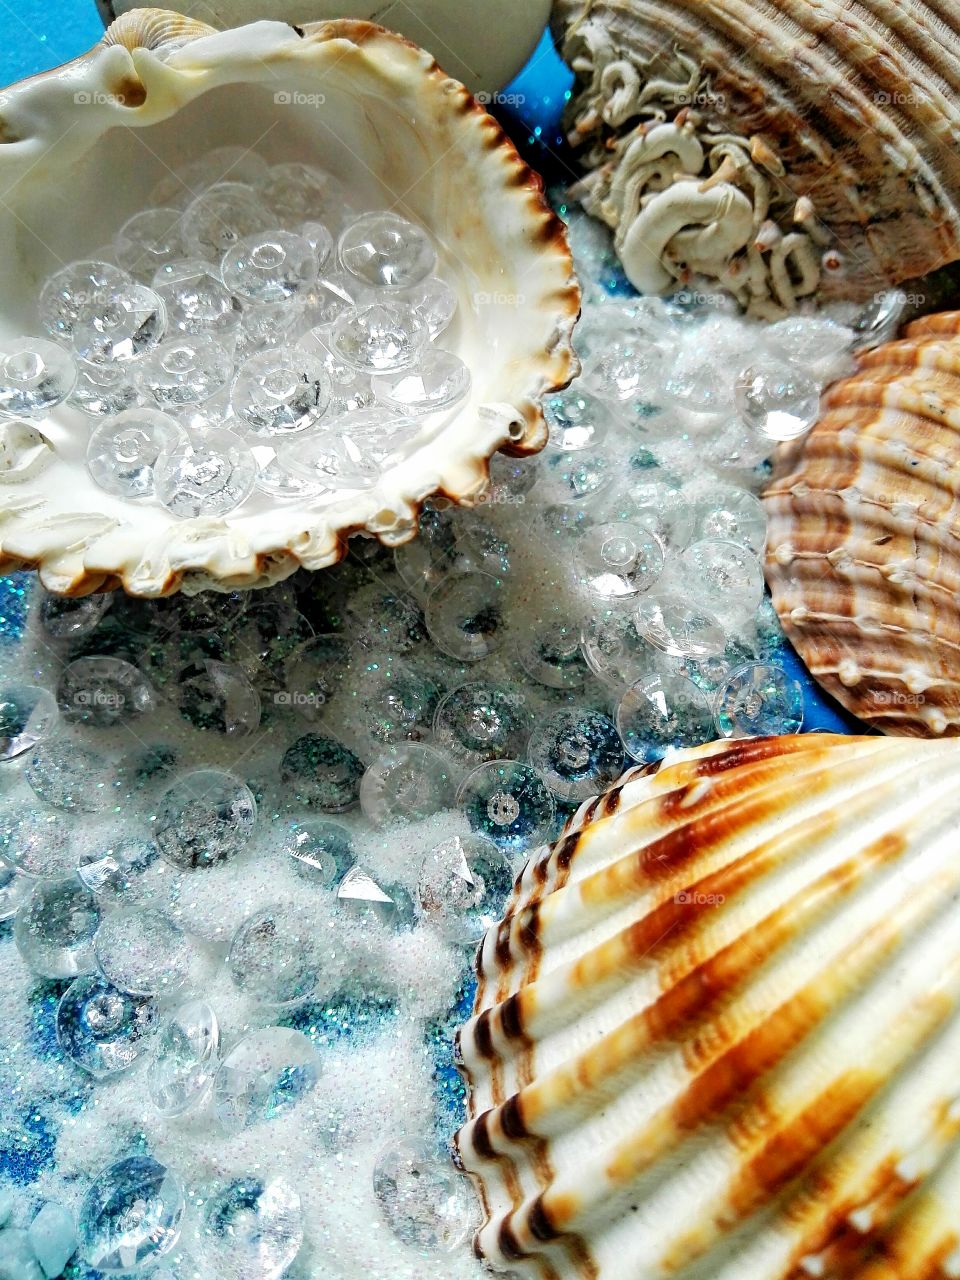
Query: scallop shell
82	146
779	148
863	541
717	1034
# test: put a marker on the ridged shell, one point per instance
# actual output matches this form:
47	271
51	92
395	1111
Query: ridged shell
828	130
863	542
717	1035
81	148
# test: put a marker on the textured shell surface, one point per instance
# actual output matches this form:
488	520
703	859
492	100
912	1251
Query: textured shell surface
779	148
81	147
863	541
716	1034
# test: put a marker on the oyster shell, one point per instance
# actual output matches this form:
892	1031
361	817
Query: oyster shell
716	1034
775	147
863	542
82	146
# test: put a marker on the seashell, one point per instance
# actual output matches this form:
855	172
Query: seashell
716	1035
377	112
863	542
700	120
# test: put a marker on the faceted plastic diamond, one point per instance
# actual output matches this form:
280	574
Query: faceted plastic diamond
273	266
104	1030
35	376
131	1216
209	475
387	251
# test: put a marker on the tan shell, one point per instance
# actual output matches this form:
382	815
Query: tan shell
795	147
717	1034
863	541
81	147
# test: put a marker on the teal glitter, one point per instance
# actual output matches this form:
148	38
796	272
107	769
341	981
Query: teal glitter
15	591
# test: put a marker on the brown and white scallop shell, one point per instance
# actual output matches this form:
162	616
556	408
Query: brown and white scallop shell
716	1036
863	544
778	147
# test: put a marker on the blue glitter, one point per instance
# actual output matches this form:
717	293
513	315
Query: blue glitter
15	592
342	1017
28	1150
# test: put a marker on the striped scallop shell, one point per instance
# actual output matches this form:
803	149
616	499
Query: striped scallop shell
863	545
717	1035
814	141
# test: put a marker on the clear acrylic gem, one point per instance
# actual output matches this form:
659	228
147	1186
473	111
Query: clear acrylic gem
104	1030
758	699
322	851
465	616
131	1217
405	783
114	873
574	477
274	958
123	451
120	324
221	216
76	295
149	240
265	1074
218	696
252	1229
318	236
433	301
550	654
575	420
329	463
618	561
274	479
724	576
35	376
387	251
777	400
55	927
422	1199
14	890
298	192
186	1059
209	475
69	776
103	692
396	701
104	388
272	266
463	887
577	753
660	713
186	370
266	326
142	951
657	507
27	714
206	817
281	392
197	300
615	651
680	628
482	721
509	803
380	337
322	772
879	320
812	342
625	368
438	382
35	844
732	515
363	898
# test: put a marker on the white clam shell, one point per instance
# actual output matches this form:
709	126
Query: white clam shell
81	147
716	1034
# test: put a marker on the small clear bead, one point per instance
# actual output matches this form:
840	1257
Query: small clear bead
54	929
298	192
120	324
724	576
661	510
732	515
206	817
423	1200
624	368
143	952
361	898
660	713
879	320
275	480
222	164
329	464
322	772
509	803
197	300
35	844
333	294
187	370
77	293
252	1229
69	776
813	342
123	451
208	475
131	1217
115	873
387	251
615	651
104	1030
318	236
550	654
463	887
27	714
273	266
274	957
577	753
433	301
218	696
14	891
438	382
406	783
103	692
265	1074
222	216
35	376
758	699
148	241
396	701
777	400
574	477
465	616
104	388
266	325
480	721
379	338
619	561
322	851
680	628
185	1063
281	392
575	420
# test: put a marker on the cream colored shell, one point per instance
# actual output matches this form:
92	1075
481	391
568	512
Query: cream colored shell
82	146
716	1036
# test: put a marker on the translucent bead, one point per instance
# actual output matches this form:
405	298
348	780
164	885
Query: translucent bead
298	192
252	1229
575	420
379	338
274	479
618	561
732	515
314	673
104	388
69	776
230	163
218	696
322	772
266	636
272	266
624	369
362	898
438	382
463	887
406	783
509	803
700	378
511	479
39	845
120	325
615	651
777	400
813	342
267	325
67	618
661	510
220	217
27	714
660	713
330	464
879	320
465	616
141	951
574	477
724	576
387	251
318	236
209	475
186	370
103	1030
210	610
186	1060
206	817
396	701
131	1217
321	851
265	1074
55	927
35	376
114	873
550	654
197	300
281	392
758	699
334	293
75	295
423	1200
103	692
480	721
680	628
14	891
433	301
577	753
148	241
274	958
123	451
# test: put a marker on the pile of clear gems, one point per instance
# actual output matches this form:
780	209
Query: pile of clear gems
249	841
